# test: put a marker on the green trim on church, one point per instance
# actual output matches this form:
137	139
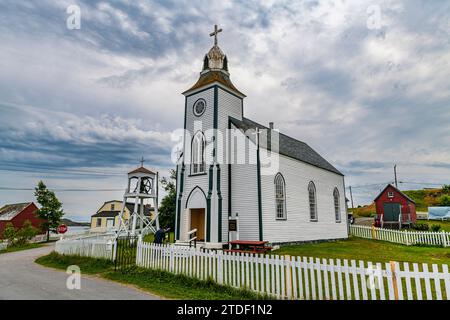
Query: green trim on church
208	205
219	211
180	195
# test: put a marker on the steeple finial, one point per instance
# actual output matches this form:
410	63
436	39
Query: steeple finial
142	161
215	33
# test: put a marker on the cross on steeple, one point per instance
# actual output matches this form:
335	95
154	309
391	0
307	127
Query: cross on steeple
142	161
215	33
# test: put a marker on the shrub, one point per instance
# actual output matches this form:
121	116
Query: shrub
435	227
446	188
26	233
10	234
421	226
444	201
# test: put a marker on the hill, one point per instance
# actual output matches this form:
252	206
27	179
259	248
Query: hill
71	223
425	198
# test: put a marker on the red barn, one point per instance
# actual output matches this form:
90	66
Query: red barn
17	214
395	208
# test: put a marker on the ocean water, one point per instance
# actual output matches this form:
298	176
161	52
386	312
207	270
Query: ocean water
74	230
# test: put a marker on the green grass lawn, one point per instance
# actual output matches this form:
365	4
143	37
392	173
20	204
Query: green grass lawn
368	250
445	225
23	247
150	237
161	283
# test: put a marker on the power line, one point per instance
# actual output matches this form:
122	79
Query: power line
62	190
28	168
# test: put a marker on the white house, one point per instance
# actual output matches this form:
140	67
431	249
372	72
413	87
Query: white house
273	187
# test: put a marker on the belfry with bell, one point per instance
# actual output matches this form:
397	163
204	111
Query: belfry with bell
142	188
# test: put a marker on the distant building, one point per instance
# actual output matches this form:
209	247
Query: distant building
107	217
394	208
17	214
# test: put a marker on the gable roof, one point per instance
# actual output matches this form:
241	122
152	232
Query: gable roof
10	211
396	189
106	214
288	146
113	213
141	170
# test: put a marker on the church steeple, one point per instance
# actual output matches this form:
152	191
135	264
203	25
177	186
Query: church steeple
215	59
215	68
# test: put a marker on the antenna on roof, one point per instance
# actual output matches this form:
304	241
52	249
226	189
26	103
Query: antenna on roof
142	161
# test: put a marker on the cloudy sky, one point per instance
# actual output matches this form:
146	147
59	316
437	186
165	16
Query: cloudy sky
365	83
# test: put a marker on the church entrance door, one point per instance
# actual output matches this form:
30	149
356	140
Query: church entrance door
198	222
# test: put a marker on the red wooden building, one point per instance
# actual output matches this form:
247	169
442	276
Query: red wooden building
17	214
394	208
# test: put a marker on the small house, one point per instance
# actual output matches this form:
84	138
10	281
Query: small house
394	208
17	214
107	217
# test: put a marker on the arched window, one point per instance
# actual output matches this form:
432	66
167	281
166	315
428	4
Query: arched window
312	201
280	196
337	206
198	153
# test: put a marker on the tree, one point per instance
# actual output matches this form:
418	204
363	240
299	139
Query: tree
444	201
26	233
50	210
10	234
446	188
168	203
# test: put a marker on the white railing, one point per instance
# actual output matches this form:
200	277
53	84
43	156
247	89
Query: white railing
94	248
192	235
403	237
287	277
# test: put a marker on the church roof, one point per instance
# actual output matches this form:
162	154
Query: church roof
141	170
211	77
288	146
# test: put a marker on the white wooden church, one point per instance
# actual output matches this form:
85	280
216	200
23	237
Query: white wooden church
303	199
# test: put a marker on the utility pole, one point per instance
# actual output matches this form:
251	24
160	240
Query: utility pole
351	196
395	175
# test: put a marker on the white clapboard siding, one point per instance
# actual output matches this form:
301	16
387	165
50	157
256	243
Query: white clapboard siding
307	278
403	237
94	248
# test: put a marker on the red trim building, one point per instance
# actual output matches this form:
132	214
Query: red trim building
394	207
17	214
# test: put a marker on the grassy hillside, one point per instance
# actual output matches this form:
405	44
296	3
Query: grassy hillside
364	211
425	198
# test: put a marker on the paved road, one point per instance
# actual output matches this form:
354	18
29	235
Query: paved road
21	278
364	221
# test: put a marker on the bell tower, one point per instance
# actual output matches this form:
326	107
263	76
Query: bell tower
202	178
142	186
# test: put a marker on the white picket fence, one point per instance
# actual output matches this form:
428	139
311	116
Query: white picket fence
402	236
94	248
286	277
